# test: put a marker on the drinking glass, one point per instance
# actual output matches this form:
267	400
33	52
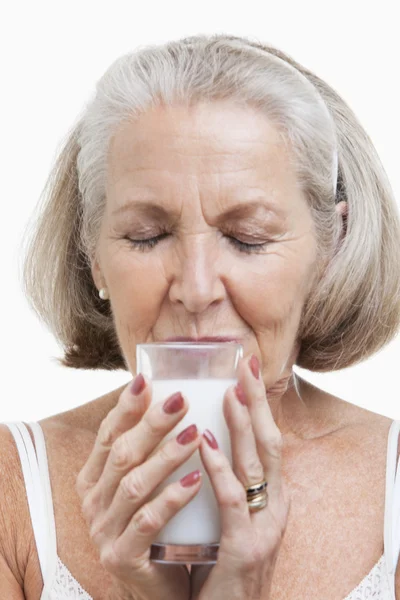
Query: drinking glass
202	371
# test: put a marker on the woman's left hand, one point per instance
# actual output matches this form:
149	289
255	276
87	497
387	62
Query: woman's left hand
250	541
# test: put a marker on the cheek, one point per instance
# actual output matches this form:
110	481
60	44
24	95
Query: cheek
272	293
140	287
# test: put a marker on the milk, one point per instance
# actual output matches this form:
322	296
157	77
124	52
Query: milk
198	522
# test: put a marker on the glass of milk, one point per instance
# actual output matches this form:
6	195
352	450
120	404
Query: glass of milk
202	372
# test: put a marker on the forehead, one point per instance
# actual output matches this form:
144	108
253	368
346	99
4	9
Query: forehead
220	152
207	138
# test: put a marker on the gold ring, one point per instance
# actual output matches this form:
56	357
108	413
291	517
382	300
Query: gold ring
257	496
258	503
256	488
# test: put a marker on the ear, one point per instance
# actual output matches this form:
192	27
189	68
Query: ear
342	210
97	274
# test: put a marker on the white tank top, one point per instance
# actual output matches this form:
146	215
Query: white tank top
60	584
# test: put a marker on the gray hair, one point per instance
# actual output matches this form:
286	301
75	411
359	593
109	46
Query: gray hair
353	309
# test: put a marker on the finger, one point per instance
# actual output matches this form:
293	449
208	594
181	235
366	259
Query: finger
135	446
267	435
150	519
246	463
132	403
229	492
135	488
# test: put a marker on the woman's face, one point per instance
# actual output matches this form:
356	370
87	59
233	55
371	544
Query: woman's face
209	180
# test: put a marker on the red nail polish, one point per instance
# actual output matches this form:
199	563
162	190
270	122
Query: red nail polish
190	479
255	366
174	404
210	439
138	385
187	435
241	396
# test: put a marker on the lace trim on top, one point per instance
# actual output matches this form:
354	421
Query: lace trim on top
374	585
64	585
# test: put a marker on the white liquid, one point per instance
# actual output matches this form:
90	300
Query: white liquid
198	522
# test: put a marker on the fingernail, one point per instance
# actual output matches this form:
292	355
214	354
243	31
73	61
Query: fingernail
138	385
173	404
241	396
255	366
210	439
190	479
187	435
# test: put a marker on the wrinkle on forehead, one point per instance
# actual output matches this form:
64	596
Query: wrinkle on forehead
239	137
202	161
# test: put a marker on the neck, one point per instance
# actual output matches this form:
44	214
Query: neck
300	410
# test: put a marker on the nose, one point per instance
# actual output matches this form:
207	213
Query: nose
196	282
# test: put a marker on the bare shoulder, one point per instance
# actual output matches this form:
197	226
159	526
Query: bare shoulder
365	425
375	428
337	479
69	438
344	420
88	416
14	514
359	434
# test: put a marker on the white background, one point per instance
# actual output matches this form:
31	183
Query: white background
52	54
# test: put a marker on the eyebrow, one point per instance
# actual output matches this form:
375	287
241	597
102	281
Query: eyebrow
237	211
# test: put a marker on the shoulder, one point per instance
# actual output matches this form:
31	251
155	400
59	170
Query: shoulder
352	423
366	446
86	417
14	514
365	436
70	437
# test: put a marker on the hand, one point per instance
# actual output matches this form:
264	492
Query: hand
114	486
250	542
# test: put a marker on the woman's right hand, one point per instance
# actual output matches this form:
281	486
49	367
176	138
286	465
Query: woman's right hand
114	486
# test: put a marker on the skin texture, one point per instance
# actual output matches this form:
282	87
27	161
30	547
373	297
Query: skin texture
197	163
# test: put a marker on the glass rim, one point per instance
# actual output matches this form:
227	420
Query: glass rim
189	344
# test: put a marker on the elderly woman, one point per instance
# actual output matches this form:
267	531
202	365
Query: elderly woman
212	187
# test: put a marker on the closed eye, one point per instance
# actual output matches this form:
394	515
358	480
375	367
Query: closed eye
149	243
244	246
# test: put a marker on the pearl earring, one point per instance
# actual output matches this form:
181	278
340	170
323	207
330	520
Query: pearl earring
103	293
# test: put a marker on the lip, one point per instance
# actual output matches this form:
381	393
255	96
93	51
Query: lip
202	339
